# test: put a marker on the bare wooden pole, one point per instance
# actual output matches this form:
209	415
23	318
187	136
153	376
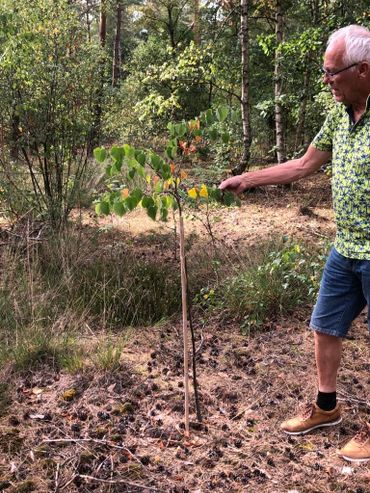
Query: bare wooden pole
184	323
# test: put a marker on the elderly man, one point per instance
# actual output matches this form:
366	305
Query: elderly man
345	286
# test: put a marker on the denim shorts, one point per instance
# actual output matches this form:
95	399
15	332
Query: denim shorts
344	293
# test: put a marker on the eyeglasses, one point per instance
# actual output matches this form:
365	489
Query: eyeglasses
331	74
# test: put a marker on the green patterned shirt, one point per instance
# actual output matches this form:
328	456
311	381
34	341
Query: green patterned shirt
349	144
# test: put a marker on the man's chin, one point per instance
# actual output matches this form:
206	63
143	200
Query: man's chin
338	97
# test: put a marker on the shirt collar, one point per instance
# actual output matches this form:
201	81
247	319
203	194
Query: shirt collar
350	111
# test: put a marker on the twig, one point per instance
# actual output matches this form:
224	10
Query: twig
57	478
348	397
117	481
94	440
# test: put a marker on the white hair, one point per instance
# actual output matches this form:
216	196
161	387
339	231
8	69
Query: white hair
356	42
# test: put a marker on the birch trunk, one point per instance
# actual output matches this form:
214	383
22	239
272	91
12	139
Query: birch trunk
245	104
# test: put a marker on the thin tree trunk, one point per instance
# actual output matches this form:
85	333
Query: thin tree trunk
117	51
103	23
171	25
196	21
88	20
184	324
299	139
15	135
100	90
278	85
245	105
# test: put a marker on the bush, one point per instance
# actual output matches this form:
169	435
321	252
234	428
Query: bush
286	277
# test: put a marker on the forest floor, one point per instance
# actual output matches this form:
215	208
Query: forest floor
123	431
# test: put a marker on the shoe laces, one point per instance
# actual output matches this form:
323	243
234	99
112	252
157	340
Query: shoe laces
307	410
363	434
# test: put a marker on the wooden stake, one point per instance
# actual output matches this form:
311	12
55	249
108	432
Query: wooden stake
184	323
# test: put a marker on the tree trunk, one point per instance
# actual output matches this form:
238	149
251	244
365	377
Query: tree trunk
103	23
245	105
88	20
171	25
278	85
196	21
300	134
96	130
117	51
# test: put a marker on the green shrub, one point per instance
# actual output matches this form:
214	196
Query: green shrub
285	278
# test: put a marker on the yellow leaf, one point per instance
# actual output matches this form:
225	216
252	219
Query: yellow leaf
203	192
193	194
125	192
183	175
148	179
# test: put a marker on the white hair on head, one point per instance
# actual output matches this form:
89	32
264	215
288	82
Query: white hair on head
356	41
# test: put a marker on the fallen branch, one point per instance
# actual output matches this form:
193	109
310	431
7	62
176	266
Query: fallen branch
349	397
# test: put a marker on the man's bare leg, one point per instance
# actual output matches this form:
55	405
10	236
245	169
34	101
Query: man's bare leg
328	352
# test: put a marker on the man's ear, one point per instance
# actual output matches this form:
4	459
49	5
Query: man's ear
364	69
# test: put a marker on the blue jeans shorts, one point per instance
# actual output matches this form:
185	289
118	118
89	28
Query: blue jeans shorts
344	293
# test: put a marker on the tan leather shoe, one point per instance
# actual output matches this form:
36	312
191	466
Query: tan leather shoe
357	449
312	417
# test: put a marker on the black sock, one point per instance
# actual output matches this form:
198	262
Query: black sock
326	400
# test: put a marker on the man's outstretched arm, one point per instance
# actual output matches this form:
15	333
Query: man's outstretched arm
279	174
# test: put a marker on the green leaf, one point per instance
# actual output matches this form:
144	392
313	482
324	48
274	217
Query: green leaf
171	152
102	208
108	170
119	208
221	113
216	194
182	128
115	168
164	214
140	157
100	154
117	154
152	212
229	199
225	138
132	173
147	202
209	117
136	195
171	129
130	203
129	151
157	161
213	134
166	171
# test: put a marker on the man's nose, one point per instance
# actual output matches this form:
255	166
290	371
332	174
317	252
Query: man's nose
326	78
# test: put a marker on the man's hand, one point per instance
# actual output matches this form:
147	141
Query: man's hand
235	184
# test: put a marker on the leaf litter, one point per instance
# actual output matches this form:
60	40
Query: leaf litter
123	431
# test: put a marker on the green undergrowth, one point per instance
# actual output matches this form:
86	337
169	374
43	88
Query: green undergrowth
56	292
276	280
